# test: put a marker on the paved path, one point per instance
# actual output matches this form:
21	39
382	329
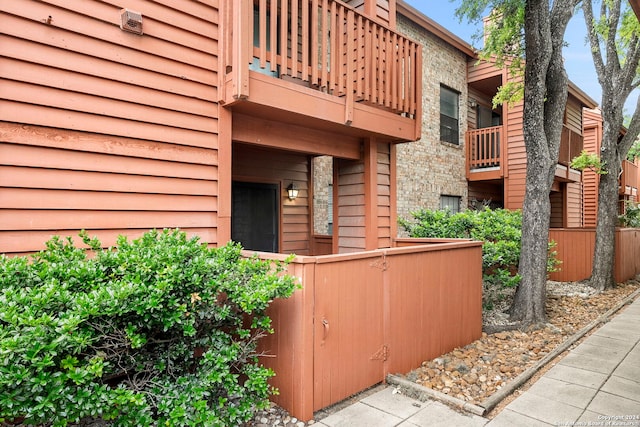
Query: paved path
596	384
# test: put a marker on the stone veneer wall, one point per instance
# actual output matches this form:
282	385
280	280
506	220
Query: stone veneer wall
322	178
428	168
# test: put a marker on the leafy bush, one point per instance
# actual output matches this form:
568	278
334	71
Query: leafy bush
631	216
159	331
499	229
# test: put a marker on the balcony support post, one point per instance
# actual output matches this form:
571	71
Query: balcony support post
242	47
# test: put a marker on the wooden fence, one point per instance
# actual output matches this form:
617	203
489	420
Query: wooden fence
363	315
575	248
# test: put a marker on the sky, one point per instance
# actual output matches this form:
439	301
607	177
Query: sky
578	59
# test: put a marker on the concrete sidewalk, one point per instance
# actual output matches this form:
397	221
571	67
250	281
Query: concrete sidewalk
596	384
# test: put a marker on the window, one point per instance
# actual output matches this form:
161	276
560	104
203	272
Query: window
449	110
450	203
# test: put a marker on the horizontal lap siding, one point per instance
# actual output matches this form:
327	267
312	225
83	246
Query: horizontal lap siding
105	130
574	204
351	206
384	196
592	136
517	159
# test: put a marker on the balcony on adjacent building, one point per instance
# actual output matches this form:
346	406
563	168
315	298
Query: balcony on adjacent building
484	156
319	63
628	182
571	145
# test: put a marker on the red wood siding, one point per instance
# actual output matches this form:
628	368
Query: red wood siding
573	115
365	220
515	175
350	205
383	199
105	130
574	204
256	164
590	180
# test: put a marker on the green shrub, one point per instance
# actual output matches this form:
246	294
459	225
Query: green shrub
631	216
158	331
499	229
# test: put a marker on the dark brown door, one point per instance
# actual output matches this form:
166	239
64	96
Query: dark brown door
254	216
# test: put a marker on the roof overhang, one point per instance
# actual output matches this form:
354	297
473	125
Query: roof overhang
585	99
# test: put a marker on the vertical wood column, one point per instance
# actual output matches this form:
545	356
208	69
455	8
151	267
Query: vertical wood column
225	143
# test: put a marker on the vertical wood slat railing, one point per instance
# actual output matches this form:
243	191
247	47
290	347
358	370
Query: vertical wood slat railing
483	147
571	144
628	178
327	45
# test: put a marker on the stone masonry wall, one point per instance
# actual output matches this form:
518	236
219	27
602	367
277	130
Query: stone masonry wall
428	168
322	179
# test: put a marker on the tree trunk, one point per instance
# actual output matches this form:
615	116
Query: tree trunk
617	73
604	254
545	97
529	301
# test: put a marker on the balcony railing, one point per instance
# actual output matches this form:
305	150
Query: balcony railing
571	145
629	179
483	148
325	45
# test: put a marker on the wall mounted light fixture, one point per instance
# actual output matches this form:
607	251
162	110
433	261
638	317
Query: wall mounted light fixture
292	191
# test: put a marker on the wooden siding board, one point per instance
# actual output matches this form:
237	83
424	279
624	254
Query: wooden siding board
79	63
197	18
20	198
42	219
32	30
21	177
54	117
52	138
65	100
99	20
49	158
48	77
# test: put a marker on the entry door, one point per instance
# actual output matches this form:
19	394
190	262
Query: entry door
254	215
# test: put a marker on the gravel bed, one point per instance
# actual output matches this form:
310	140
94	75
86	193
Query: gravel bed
476	371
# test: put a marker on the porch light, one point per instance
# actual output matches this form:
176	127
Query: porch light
292	192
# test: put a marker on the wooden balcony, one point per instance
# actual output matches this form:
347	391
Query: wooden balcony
319	63
628	183
571	145
484	155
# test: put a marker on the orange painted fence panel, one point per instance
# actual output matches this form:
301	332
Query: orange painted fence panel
575	249
361	316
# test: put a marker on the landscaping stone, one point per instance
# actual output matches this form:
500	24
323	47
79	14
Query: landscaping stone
497	358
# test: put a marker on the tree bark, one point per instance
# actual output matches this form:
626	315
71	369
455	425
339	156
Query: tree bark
602	273
617	78
545	96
